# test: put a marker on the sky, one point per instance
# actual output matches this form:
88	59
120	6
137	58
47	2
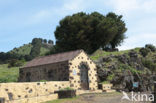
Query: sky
23	20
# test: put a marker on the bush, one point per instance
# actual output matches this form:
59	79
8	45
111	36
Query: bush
149	64
15	63
123	67
151	47
53	50
144	51
28	57
110	77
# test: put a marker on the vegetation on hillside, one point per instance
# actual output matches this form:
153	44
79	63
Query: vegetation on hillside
101	53
38	47
26	49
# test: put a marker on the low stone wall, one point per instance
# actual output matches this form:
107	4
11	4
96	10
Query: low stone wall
106	86
38	99
31	92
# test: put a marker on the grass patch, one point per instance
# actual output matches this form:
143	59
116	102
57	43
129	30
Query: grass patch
62	100
105	82
8	74
43	81
101	53
123	67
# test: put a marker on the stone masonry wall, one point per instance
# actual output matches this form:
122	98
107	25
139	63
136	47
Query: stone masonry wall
24	92
51	72
74	72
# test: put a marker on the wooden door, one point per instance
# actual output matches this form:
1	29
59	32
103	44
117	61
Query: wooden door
84	77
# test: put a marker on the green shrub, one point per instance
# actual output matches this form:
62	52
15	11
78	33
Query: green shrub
15	63
105	82
149	64
151	47
122	67
127	67
110	77
144	51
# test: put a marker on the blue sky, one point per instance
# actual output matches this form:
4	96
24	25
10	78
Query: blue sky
22	20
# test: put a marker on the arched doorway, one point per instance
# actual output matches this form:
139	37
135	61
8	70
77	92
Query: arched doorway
84	80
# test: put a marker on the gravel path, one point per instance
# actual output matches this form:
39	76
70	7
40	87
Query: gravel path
101	98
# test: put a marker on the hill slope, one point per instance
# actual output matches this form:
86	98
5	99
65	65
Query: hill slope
26	49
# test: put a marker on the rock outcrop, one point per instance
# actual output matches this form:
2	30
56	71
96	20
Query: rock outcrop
125	69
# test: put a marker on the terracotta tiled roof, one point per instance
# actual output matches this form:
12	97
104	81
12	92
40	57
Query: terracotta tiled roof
53	58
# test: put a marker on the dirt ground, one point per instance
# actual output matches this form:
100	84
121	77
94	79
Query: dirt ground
101	98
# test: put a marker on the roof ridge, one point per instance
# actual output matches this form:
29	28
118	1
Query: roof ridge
58	53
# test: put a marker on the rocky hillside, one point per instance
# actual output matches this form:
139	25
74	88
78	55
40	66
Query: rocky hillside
123	68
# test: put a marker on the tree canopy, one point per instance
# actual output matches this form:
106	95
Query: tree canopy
35	51
50	42
89	31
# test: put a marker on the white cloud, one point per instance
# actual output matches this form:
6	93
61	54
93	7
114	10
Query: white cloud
124	6
68	7
140	17
149	6
39	16
74	5
138	41
128	7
